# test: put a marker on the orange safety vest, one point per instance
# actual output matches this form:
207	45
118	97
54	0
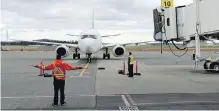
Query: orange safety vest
59	69
58	73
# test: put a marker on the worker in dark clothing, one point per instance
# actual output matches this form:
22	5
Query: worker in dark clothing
193	55
59	68
130	64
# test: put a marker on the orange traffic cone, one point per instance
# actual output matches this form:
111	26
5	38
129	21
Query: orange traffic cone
122	71
124	67
136	69
41	70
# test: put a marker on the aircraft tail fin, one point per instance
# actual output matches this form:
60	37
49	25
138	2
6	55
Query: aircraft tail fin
93	19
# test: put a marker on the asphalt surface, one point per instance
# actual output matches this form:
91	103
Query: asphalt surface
166	82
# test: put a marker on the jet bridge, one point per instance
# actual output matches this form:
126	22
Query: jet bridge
192	24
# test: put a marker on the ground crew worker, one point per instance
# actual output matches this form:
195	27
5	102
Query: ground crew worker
193	55
130	64
59	68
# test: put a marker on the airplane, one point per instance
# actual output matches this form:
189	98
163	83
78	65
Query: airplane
89	42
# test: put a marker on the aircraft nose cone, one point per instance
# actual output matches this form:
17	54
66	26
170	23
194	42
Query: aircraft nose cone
89	44
88	49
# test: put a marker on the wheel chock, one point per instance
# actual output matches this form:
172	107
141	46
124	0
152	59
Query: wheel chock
120	72
101	68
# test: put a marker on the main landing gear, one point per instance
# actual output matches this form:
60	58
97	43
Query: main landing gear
88	57
106	54
76	54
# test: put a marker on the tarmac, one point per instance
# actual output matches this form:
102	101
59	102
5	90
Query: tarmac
166	82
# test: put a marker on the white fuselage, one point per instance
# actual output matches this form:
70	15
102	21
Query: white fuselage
90	42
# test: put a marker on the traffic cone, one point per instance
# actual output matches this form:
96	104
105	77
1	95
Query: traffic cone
122	71
136	69
124	67
41	70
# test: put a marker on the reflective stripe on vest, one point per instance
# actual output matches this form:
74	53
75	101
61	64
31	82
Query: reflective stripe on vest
131	59
60	75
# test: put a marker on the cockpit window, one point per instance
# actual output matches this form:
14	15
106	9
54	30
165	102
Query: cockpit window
88	36
84	36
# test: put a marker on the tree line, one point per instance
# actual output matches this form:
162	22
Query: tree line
33	43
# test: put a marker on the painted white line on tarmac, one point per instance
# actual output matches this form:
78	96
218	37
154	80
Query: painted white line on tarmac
43	96
178	102
131	100
125	100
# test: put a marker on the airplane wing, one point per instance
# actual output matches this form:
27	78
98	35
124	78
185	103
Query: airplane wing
215	42
72	35
124	44
104	36
49	43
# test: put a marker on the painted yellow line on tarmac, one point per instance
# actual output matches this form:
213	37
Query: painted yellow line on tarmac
86	66
82	72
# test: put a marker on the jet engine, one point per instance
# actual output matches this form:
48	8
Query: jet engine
118	51
62	50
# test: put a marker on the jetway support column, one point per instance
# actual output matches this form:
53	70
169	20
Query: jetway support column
197	38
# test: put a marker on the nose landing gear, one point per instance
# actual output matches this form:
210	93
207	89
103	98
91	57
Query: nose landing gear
88	58
76	54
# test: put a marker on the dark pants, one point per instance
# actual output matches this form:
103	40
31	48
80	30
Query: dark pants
193	56
59	85
130	69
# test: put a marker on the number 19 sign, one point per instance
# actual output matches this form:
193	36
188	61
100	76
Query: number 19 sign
167	3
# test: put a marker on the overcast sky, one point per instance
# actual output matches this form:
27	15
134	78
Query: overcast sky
34	19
